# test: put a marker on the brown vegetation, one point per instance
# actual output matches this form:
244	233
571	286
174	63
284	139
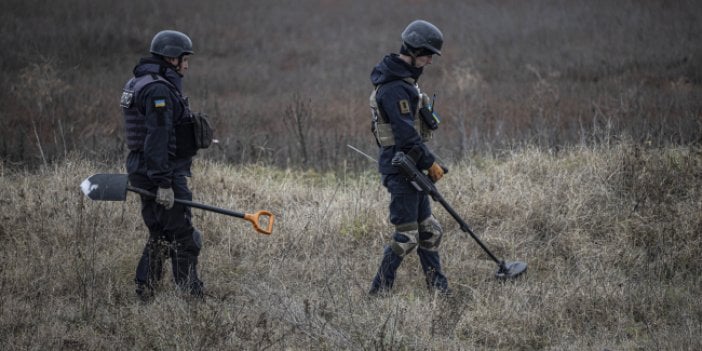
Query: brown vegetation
572	130
513	73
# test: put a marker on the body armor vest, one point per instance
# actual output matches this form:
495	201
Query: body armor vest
380	126
134	120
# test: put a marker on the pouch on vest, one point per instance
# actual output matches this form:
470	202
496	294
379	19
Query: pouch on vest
185	139
380	127
202	129
193	135
428	118
425	118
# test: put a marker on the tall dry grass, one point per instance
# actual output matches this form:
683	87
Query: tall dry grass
611	236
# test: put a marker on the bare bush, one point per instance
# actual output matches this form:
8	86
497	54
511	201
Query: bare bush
555	74
298	120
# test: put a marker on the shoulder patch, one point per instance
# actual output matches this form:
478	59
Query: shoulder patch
404	106
159	102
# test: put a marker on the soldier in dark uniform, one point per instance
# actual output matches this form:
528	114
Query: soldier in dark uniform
396	103
158	125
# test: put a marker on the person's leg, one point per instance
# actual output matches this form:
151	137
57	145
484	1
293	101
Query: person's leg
403	214
150	267
385	277
431	265
186	240
430	234
149	270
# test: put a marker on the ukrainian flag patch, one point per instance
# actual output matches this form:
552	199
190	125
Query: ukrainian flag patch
159	103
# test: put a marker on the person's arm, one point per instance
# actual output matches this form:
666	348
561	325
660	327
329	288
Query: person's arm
158	106
399	109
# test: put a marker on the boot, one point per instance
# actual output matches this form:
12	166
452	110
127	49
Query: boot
385	277
431	265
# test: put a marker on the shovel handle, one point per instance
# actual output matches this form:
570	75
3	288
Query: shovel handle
255	218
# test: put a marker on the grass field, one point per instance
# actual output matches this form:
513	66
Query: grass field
572	130
611	236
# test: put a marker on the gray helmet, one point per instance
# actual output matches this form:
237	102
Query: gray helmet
171	43
422	36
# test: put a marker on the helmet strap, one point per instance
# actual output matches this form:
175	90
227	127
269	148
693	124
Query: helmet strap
411	52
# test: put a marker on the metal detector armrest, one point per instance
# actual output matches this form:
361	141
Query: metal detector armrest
408	167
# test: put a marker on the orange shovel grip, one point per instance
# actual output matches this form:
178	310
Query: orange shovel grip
254	218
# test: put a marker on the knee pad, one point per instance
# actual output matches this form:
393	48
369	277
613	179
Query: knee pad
404	240
430	234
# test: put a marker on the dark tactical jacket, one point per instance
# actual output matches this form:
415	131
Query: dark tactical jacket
154	111
398	101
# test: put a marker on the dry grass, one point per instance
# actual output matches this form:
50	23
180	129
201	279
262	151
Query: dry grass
611	236
610	229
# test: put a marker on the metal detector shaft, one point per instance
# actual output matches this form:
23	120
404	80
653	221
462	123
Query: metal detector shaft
408	167
464	226
421	181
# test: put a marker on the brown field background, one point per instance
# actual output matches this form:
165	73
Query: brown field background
573	132
287	82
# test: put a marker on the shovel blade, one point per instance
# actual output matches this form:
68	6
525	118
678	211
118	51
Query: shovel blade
510	270
105	187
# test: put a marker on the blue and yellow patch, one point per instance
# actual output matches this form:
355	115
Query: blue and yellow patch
159	103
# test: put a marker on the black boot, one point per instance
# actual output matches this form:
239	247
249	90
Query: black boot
431	265
385	278
144	292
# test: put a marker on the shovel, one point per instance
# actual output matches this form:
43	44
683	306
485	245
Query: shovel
113	187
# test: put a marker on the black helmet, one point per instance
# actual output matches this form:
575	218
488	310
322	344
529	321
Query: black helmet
421	38
171	43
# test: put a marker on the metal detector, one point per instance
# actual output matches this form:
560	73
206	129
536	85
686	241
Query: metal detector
113	187
408	166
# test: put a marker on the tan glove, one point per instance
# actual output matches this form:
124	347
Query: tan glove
165	198
436	172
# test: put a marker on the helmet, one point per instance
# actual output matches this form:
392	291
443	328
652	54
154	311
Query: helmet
171	43
422	37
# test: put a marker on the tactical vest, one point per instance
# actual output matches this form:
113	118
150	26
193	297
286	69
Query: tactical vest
134	120
380	125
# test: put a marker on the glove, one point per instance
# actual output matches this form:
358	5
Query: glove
165	198
436	172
